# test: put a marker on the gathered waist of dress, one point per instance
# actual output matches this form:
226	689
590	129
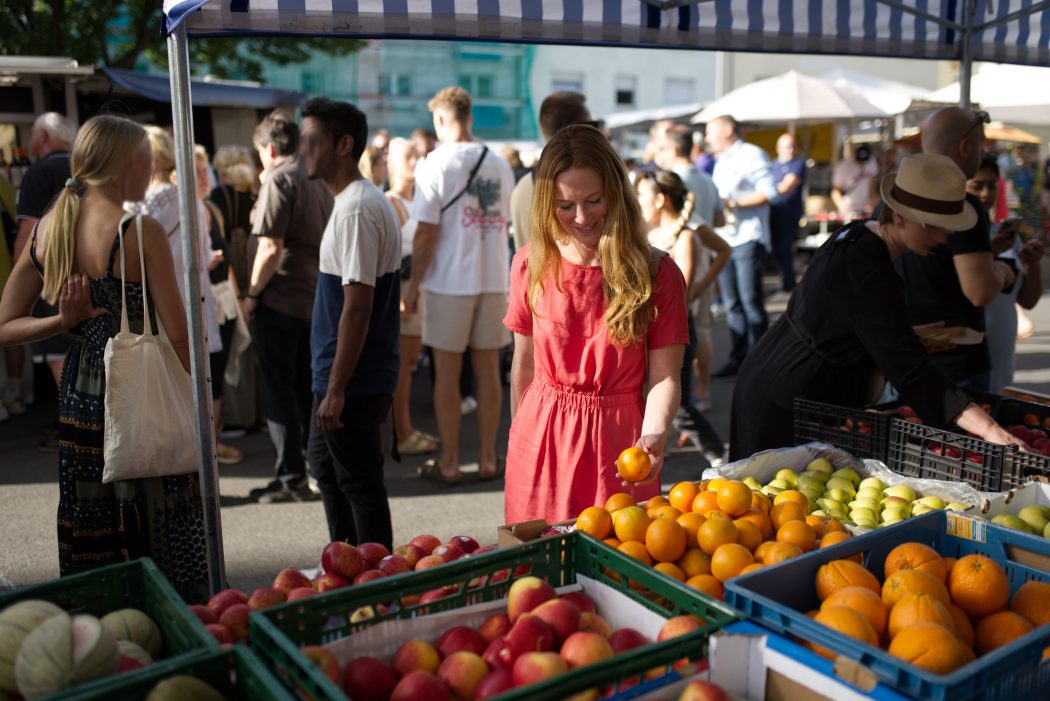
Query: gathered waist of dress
574	397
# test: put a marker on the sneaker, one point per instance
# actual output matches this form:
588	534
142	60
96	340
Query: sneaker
232	432
780	297
283	493
228	455
727	372
716	459
468	406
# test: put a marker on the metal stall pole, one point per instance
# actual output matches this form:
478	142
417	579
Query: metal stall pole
182	119
966	64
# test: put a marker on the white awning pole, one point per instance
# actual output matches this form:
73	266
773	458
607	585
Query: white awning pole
182	121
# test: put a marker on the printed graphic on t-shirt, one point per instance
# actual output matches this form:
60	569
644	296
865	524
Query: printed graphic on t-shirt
487	215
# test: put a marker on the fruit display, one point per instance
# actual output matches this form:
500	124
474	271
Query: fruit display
705	533
44	649
1025	509
1035	436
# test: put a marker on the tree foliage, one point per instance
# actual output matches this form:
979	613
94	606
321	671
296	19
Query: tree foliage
117	33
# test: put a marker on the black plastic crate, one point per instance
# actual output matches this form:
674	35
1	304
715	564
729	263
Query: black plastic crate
861	433
1017	412
922	451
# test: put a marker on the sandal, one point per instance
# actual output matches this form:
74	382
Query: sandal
417	444
227	454
431	471
501	467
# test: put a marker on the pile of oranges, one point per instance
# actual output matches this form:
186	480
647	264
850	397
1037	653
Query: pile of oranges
705	533
935	612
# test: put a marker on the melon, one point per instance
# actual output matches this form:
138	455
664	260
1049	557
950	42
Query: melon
64	651
16	622
135	626
134	651
183	687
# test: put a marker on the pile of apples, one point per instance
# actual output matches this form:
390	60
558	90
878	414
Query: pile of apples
1036	438
344	565
1034	519
539	636
844	496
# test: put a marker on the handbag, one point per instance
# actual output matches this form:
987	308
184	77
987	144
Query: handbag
149	418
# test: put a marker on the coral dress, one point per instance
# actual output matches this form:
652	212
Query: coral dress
585	403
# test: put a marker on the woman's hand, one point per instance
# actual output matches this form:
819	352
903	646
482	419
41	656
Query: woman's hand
216	258
998	434
74	302
653	445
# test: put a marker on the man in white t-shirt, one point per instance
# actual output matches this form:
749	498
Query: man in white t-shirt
460	257
853	183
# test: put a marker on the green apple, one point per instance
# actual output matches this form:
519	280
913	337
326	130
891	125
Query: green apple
1011	521
919	509
771	491
901	490
829	504
752	482
894	513
957	506
821	477
848	475
1035	517
839	495
866	523
934	502
779	484
788	475
807	482
873	482
812	494
860	514
864	504
890	522
869	493
841	483
838	514
820	465
1046	531
819	512
896	501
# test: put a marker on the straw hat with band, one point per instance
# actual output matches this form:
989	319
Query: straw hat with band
929	189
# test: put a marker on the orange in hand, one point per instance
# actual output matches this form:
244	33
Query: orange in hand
634	464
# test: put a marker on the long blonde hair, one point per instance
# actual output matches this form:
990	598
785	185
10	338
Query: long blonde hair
100	154
623	250
163	151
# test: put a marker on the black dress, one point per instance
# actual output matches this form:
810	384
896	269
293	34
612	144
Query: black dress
846	321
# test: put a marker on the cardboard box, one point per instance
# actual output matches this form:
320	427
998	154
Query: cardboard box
1010	502
517	533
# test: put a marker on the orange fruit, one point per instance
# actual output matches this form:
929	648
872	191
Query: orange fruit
786	511
715	484
949	562
848	622
865	602
833	538
715	513
760	519
595	521
963	627
706	584
792	495
798	532
705	501
930	647
748	533
633	464
636	550
752	567
671	570
682	494
817	524
760	501
714	532
832	525
978	585
654	502
665	511
733	497
997	630
839	574
695	561
618	501
919	608
612	542
915	556
903	582
1032	601
665	540
630	523
779	551
691	523
728	560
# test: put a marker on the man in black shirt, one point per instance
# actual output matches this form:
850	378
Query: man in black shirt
955	282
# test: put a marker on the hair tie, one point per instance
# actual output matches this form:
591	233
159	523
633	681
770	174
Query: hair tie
71	182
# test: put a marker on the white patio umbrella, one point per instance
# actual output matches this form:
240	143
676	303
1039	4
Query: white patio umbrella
890	95
1019	94
791	97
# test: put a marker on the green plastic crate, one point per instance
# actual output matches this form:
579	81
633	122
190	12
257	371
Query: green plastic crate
137	584
277	633
236	673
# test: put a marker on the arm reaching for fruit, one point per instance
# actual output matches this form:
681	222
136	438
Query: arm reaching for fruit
661	405
977	421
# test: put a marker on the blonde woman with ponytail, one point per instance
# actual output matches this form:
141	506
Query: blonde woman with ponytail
74	259
599	326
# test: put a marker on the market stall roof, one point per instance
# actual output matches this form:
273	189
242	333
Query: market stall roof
890	96
1012	31
619	120
206	93
994	131
1019	94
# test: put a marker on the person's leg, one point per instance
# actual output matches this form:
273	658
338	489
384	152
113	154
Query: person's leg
490	397
11	391
783	235
410	347
303	393
728	282
749	287
337	509
447	366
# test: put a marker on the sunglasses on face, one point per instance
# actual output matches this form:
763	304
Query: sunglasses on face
981	117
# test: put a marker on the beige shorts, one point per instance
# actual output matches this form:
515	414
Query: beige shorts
413	325
701	310
455	322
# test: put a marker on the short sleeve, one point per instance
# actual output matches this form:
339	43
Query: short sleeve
275	205
670	325
519	316
357	248
35	195
426	203
975	240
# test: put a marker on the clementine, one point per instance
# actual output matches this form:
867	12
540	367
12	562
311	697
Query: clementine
664	511
930	647
665	540
654	502
919	608
978	585
695	561
748	533
963	626
792	495
786	511
706	584
998	629
1032	601
865	602
838	574
848	622
779	551
752	567
714	532
618	501
833	538
633	548
630	523
595	521
903	582
798	532
915	556
816	523
633	464
728	560
682	494
733	497
691	523
760	501
705	501
671	570
832	524
761	519
612	542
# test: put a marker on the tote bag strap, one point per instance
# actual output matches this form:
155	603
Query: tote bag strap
124	328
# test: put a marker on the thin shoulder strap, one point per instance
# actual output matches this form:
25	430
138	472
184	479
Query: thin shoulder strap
32	250
124	327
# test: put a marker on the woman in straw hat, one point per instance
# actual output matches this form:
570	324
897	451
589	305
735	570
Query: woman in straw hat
846	332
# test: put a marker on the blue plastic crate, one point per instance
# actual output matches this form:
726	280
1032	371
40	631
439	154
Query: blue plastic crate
777	597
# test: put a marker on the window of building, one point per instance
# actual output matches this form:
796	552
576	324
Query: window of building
572	82
484	86
404	84
678	91
312	81
466	83
625	89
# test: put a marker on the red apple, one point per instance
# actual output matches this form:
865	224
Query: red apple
411	553
528	634
362	613
329	581
492	656
368	576
433	595
448	552
497	681
562	616
204	614
494	626
426	542
368	679
221	633
679	625
465	543
415	655
224	599
301	593
128	664
290	578
595	623
526	594
624	639
703	691
236	619
420	686
533	667
265	597
485	549
428	561
342	559
581	601
372	553
394	564
584	648
462	672
325	660
458	639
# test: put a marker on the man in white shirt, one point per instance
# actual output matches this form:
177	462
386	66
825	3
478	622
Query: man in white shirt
674	154
745	183
853	183
460	259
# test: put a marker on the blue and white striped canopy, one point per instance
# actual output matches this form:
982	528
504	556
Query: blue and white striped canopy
1007	31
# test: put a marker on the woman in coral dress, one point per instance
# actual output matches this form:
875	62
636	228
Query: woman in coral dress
592	308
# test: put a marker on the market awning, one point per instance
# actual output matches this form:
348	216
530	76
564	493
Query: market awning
1011	31
206	93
